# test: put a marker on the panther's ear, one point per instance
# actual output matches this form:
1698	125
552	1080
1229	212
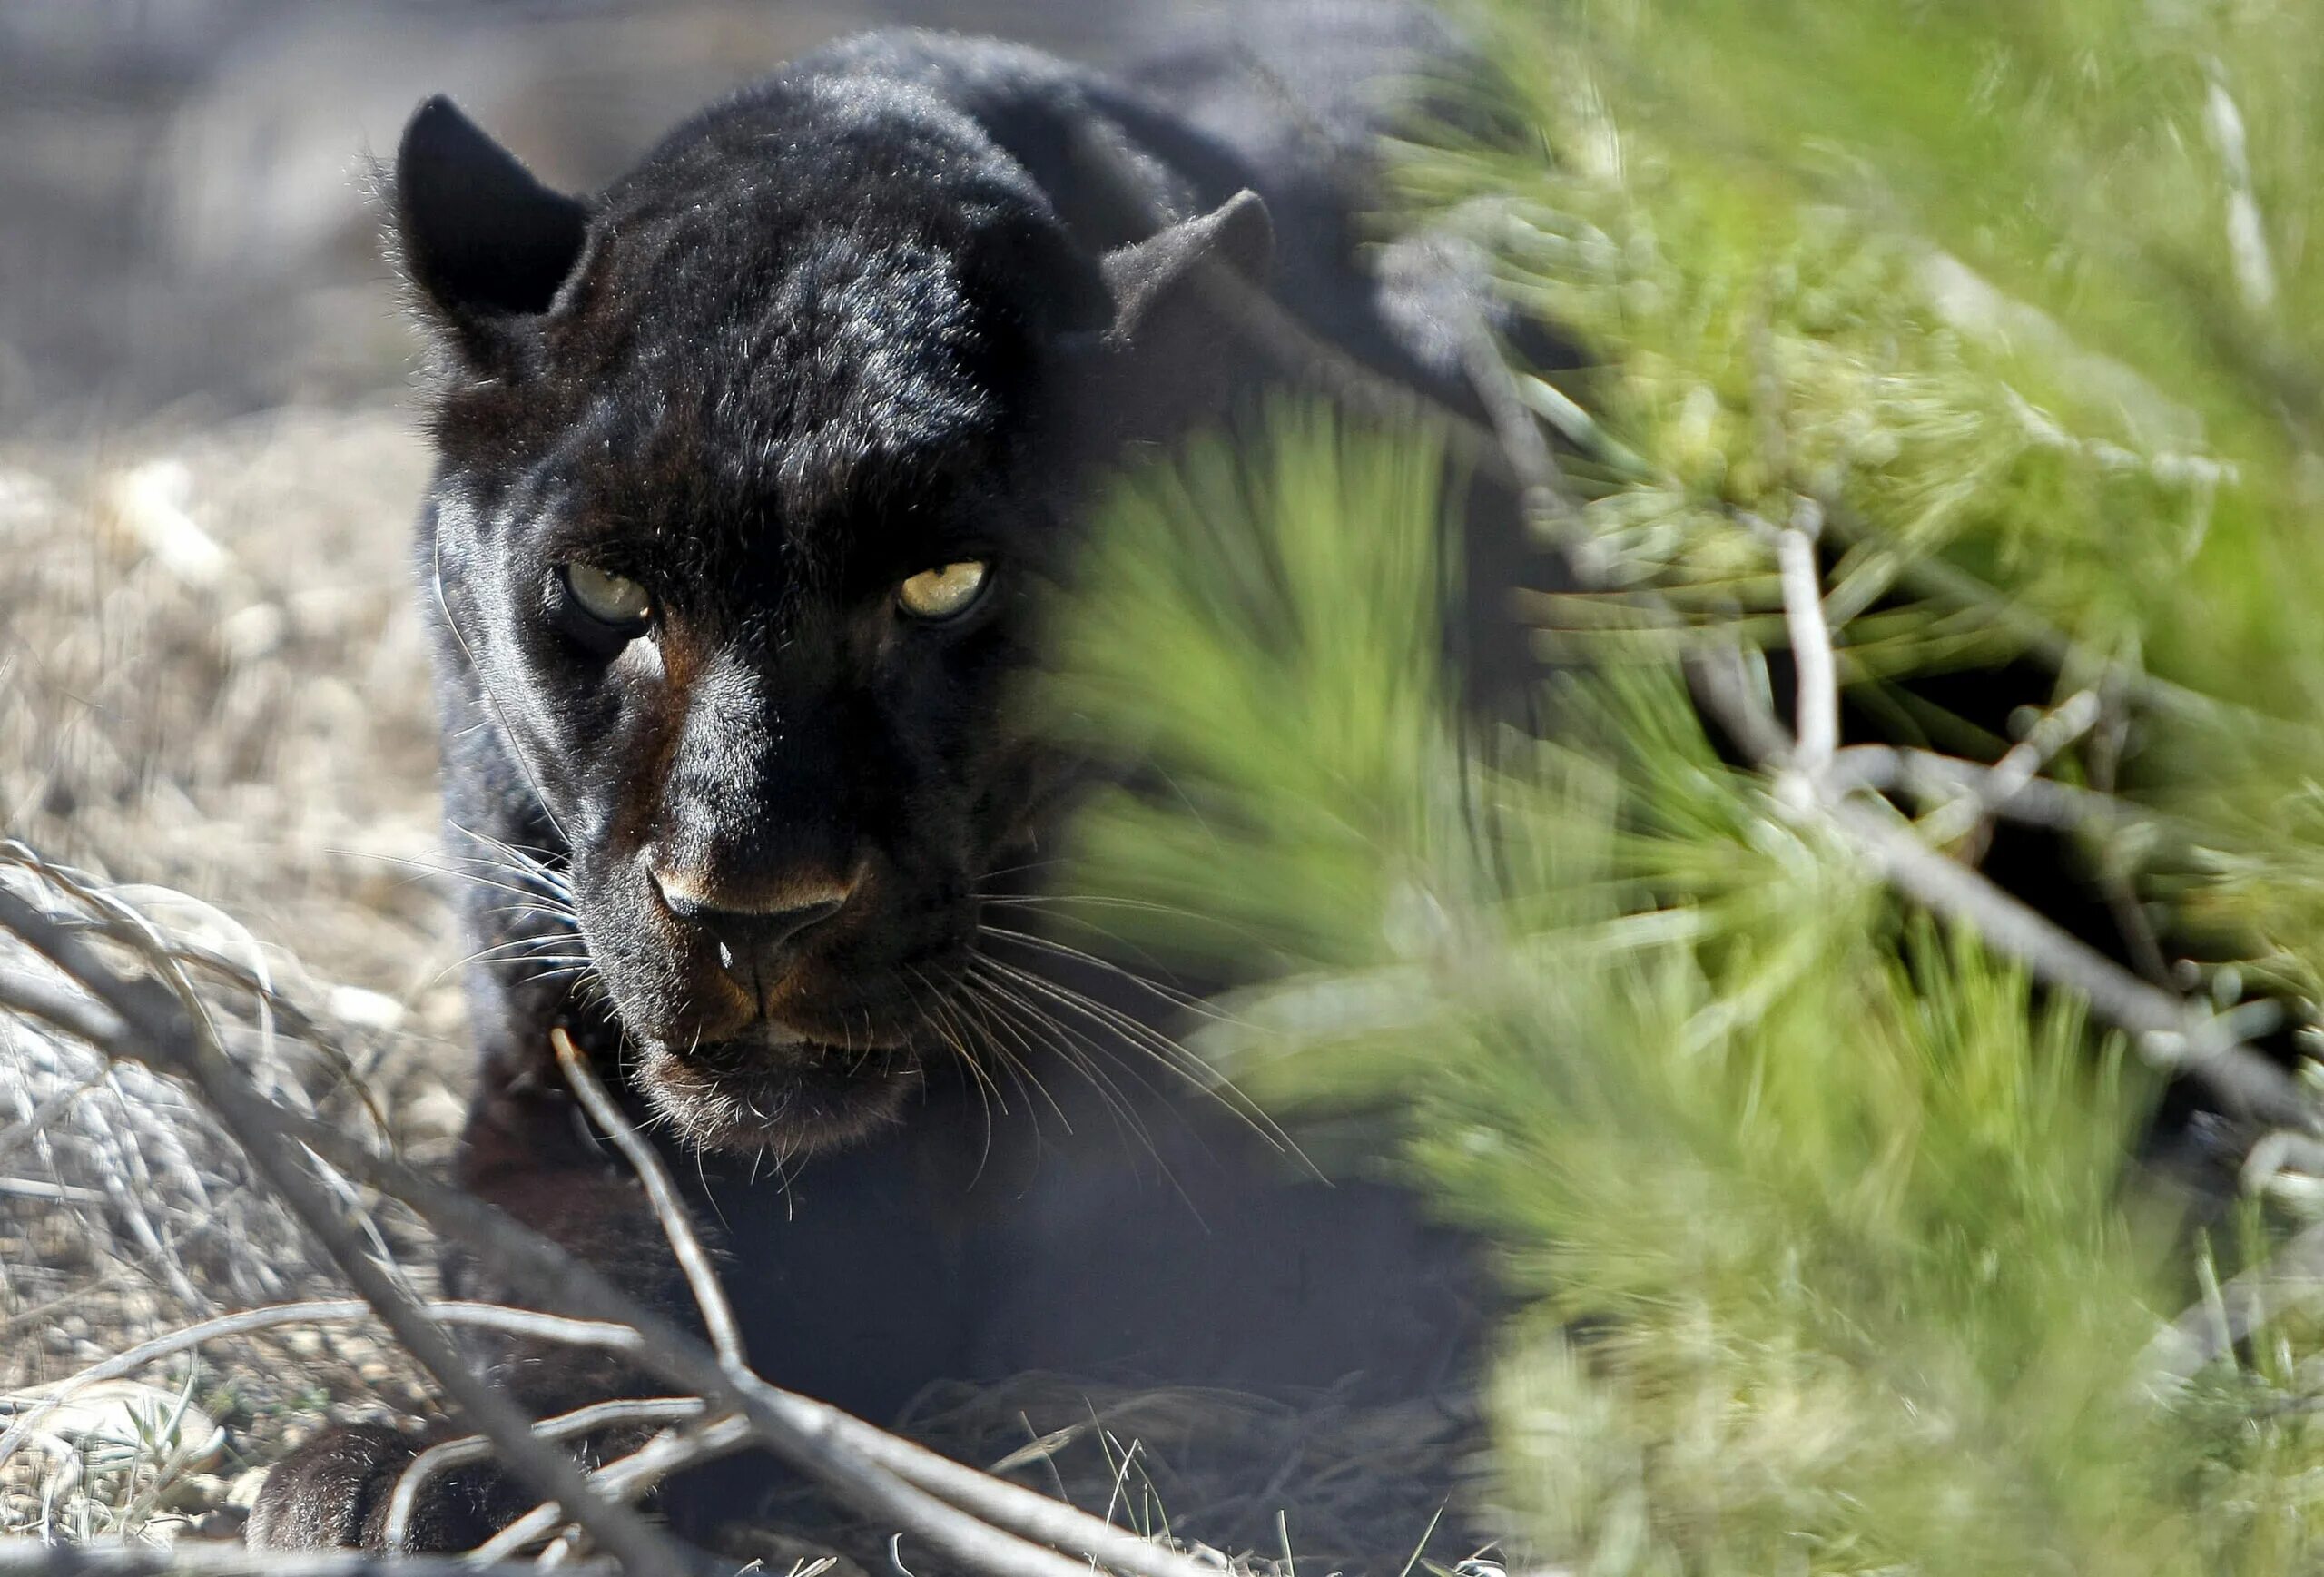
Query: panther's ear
1177	299
1185	277
484	244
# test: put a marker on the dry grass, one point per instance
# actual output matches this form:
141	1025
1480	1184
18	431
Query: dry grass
1214	1470
210	679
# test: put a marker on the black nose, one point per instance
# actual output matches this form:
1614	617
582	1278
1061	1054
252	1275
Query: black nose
746	934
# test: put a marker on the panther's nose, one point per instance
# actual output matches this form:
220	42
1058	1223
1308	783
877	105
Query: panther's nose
749	928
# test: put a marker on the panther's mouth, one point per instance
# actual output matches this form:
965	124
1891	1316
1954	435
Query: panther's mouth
784	1099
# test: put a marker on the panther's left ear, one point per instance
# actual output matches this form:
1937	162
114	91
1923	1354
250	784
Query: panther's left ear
483	243
1177	305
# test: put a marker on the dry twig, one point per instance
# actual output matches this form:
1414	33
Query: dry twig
29	1558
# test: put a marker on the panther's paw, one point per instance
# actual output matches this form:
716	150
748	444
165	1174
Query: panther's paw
337	1491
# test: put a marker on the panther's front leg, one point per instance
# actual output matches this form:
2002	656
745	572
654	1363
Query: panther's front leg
337	1490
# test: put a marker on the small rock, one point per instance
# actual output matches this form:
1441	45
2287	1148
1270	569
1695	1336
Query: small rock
243	1493
226	1521
180	1435
253	633
150	502
364	1009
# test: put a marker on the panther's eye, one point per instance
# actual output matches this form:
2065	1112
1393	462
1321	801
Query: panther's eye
944	593
603	610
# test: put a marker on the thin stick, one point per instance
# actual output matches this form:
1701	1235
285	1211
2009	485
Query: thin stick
982	1523
2041	801
854	1461
2168	1030
1818	708
1934	576
702	1277
778	1413
625	1479
202	1558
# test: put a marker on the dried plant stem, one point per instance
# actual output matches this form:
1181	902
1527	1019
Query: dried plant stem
685	1243
314	1311
448	1455
867	1468
626	1478
32	1558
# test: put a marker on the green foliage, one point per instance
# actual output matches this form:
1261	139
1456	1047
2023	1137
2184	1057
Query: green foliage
1965	269
2022	290
1831	1254
1356	669
1818	1215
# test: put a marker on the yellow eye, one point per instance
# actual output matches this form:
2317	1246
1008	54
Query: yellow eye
612	600
945	593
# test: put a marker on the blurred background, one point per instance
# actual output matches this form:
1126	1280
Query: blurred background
186	223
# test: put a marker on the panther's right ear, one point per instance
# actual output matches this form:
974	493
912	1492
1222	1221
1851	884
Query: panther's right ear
1179	310
484	245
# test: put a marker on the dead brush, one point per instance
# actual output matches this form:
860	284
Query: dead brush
207	677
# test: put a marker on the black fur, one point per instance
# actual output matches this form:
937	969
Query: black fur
884	312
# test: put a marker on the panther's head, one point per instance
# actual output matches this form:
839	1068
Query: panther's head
749	470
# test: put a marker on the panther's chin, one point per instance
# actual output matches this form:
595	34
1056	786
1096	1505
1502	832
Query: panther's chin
746	1098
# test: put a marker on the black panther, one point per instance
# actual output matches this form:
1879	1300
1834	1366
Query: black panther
754	472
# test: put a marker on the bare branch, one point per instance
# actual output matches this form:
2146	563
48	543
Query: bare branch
447	1454
1938	579
847	1457
318	1311
2038	801
984	1523
931	1485
1818	710
2169	1031
625	1479
702	1277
